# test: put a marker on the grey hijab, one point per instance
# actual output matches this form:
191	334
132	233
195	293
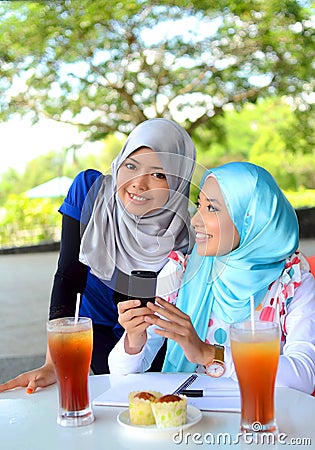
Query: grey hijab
114	238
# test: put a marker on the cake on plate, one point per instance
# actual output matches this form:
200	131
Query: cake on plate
140	409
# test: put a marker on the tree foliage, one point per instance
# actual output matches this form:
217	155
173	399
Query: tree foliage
107	65
257	133
29	221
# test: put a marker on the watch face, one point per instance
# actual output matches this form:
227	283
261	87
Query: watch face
216	369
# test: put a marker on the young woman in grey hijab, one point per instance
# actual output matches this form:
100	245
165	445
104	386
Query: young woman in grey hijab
113	224
143	241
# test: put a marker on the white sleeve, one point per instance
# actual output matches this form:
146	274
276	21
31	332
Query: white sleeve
170	277
122	363
297	363
296	367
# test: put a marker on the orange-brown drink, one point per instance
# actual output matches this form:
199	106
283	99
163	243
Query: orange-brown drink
70	347
255	352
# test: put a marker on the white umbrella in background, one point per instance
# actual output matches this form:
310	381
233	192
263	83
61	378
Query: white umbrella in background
57	187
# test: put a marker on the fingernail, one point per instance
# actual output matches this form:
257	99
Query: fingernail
29	390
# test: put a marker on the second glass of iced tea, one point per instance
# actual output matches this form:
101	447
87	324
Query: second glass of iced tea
255	352
70	346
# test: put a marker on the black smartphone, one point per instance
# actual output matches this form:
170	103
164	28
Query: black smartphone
142	286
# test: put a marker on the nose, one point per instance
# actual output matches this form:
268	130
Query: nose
140	182
196	219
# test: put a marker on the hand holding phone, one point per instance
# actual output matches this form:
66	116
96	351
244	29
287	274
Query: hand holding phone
142	286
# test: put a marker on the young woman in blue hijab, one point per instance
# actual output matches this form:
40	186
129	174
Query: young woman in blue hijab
246	245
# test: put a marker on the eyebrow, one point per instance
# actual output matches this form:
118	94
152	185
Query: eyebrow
151	167
212	200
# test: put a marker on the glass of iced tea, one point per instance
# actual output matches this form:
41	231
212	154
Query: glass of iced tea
255	352
70	346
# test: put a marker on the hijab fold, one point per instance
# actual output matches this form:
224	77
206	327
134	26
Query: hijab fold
268	229
114	238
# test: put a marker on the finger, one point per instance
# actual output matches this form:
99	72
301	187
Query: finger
175	327
40	380
181	337
12	384
159	301
129	314
168	334
171	313
160	322
166	306
128	304
136	321
132	319
139	329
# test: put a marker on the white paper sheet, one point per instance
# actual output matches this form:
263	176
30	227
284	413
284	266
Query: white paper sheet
225	391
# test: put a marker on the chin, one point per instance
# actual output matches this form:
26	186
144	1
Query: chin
203	250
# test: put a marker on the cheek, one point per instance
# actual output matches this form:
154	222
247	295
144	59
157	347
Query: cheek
163	195
212	227
228	237
159	195
122	179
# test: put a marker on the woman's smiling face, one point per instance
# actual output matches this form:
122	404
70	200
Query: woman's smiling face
215	232
141	182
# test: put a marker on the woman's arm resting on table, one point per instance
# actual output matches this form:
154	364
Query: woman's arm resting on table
42	377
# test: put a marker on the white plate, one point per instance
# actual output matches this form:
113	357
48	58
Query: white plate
194	415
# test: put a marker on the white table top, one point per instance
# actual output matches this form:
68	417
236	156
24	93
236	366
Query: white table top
28	422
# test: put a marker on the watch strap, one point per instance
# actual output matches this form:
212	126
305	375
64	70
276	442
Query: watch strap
216	367
218	353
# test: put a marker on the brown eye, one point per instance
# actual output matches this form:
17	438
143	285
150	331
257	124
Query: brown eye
159	175
130	166
211	208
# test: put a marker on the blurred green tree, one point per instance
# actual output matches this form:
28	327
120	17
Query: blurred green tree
108	65
26	221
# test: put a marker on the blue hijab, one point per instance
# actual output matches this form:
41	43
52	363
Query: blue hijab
268	229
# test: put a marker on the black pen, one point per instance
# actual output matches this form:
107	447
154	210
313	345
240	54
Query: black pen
211	393
186	383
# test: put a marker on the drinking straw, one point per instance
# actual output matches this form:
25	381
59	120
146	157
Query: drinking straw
252	312
77	307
